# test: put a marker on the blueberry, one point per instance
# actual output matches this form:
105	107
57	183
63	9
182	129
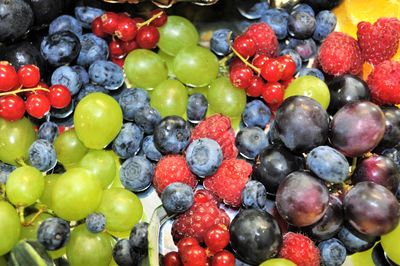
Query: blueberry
304	8
67	76
138	236
48	131
256	114
63	113
90	88
83	74
5	171
221	41
65	23
254	195
172	135
42	155
53	233
86	14
393	154
177	197
301	25
250	141
16	18
60	48
295	56
106	74
333	252
277	19
124	254
136	173
96	222
315	72
150	150
305	48
326	23
252	9
355	243
147	118
93	49
197	107
128	141
131	100
204	156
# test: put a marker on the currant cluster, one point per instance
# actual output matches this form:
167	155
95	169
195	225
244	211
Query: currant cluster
23	91
129	33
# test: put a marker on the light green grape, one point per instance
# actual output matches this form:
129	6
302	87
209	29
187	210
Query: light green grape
226	99
85	248
176	34
195	66
202	90
49	182
76	194
24	186
100	164
311	87
169	61
117	179
15	139
145	69
121	208
30	232
170	97
70	150
277	262
10	227
97	120
390	244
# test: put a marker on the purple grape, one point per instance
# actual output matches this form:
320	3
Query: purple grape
371	209
357	128
392	131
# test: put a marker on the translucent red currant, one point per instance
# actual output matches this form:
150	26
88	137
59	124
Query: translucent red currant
8	77
126	29
273	93
59	96
217	237
172	259
194	256
129	46
29	76
271	71
288	65
245	46
223	258
257	86
241	76
186	242
160	20
147	37
97	28
116	49
12	107
37	105
110	21
259	60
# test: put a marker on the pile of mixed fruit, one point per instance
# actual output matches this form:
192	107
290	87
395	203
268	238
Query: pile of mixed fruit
272	145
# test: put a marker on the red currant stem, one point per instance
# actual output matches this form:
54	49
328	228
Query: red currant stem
147	22
20	211
244	60
31	221
23	90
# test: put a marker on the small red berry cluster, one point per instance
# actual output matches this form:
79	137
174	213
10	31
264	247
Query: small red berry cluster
23	91
191	253
129	33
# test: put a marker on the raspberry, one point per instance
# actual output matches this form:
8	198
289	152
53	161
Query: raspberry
203	196
229	180
389	22
299	249
339	54
197	220
265	39
218	128
384	83
170	169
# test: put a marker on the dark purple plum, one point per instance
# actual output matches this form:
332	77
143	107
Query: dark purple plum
392	122
371	209
357	128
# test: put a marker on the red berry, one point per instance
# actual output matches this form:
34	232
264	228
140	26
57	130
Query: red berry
245	46
37	105
273	93
116	49
129	46
203	196
285	83
124	15
217	237
241	76
138	20
288	65
194	256
256	87
299	249
272	70
160	20
259	60
384	83
187	242
172	259
60	96
147	37
119	61
264	37
110	21
126	29
223	258
12	107
236	62
97	28
29	76
8	77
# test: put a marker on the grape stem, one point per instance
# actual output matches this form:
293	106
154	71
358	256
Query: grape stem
353	166
20	162
31	221
3	191
20	211
244	60
19	90
147	22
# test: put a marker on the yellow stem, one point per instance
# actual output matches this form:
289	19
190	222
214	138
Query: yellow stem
147	22
40	211
20	161
21	214
2	191
14	92
353	166
244	60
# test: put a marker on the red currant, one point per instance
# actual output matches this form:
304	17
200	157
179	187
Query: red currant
259	60
124	15
271	70
97	28
186	242
194	256
273	93
245	46
116	49
138	20
29	76
60	96
285	83
288	65
110	21
129	46
217	237
37	105
126	29
147	37
256	87
241	76
236	62
172	259
12	107
119	61
8	77
223	258
160	20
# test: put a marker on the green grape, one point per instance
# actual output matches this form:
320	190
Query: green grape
85	248
170	97
277	262
24	186
117	179
100	164
15	139
3	261
121	208
169	61
145	69
226	99
196	66
49	182
10	227
176	34
29	232
311	87
125	234
202	90
76	194
70	150
389	243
